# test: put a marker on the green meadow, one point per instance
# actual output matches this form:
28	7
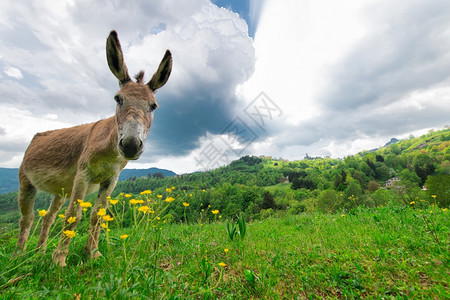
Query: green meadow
370	226
391	252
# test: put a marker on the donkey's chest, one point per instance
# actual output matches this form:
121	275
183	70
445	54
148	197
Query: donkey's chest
102	170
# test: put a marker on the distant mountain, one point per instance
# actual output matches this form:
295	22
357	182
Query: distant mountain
9	181
129	173
392	141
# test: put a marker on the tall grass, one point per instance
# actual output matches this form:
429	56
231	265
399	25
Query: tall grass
386	252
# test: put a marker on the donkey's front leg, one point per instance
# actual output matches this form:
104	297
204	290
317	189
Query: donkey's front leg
73	216
105	190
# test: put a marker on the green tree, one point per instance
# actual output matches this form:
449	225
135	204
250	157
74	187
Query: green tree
423	166
329	201
373	186
439	186
268	201
407	175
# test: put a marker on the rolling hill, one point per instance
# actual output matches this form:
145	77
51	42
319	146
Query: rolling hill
10	183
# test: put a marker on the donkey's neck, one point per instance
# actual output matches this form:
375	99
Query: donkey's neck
104	135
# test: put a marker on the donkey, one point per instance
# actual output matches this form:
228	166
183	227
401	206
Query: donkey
89	157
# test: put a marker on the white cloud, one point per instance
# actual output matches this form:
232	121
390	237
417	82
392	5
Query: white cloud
13	72
349	76
295	42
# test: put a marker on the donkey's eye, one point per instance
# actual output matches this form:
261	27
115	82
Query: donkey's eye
152	107
119	99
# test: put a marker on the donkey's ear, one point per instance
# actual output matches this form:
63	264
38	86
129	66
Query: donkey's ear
162	74
115	58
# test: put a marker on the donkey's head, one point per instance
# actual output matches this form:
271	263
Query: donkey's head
135	100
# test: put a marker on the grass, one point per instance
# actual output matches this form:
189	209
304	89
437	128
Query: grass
381	253
284	186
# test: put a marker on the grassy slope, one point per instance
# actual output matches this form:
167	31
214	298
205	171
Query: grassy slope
374	253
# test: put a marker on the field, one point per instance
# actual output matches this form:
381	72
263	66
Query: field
242	231
379	253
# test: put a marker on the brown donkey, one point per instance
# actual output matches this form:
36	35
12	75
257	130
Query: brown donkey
88	157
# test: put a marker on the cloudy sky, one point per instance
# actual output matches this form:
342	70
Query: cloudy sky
276	77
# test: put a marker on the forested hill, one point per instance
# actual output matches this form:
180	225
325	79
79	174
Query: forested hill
151	172
260	186
9	181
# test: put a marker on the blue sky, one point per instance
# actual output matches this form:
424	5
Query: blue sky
275	77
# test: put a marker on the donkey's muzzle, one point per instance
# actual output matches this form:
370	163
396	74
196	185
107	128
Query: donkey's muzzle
131	147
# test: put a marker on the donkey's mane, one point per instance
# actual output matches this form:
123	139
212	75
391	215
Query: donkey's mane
139	77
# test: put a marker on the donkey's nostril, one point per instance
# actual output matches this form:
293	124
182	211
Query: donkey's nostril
130	147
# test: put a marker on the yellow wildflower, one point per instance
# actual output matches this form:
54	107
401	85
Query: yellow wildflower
190	195
62	216
222	264
146	192
342	215
169	199
159	196
134	201
128	195
185	204
173	188
108	218
158	218
203	190
71	220
108	198
101	212
79	201
412	202
42	212
215	211
84	209
85	204
144	209
168	190
69	233
444	209
113	202
220	216
226	250
140	201
124	236
104	225
434	196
